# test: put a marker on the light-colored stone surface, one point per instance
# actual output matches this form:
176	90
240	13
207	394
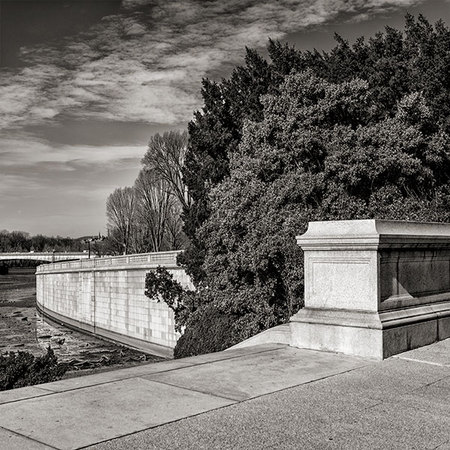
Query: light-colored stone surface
107	295
388	405
78	418
88	410
14	395
280	334
374	288
260	373
13	441
391	404
44	256
345	279
435	354
115	375
364	342
279	397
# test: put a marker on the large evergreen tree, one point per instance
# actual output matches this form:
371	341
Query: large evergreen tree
393	63
214	134
318	154
361	131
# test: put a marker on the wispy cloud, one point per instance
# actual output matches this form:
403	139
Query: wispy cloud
145	63
43	186
27	151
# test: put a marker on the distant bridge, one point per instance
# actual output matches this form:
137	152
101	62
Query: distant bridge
44	256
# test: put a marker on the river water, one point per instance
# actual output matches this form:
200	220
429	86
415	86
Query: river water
22	329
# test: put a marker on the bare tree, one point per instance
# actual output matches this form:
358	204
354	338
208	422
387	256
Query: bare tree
153	207
147	217
165	156
174	237
121	211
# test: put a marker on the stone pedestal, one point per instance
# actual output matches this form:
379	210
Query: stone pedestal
374	288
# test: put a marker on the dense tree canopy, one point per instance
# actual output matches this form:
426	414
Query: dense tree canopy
359	132
394	64
316	155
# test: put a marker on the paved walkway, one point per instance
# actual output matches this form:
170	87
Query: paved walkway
269	396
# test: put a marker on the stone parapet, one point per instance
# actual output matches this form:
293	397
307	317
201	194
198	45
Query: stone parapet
44	256
374	288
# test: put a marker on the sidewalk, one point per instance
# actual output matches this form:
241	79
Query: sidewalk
269	396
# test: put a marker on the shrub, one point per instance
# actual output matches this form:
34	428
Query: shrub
24	369
160	285
211	331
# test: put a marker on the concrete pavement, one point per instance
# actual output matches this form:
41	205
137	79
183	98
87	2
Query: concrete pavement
268	396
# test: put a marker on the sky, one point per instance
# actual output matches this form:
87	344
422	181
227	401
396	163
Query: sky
84	84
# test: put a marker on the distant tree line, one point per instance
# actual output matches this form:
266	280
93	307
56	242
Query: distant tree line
19	241
361	131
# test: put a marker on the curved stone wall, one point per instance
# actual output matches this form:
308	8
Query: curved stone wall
105	296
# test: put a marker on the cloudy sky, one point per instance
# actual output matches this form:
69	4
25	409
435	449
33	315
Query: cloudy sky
85	83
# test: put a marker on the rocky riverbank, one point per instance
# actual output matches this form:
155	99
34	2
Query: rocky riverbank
22	329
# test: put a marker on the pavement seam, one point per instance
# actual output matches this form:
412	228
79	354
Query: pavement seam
422	361
193	390
51	392
430	384
48	392
156	426
381	402
235	402
162	371
28	437
44	389
256	396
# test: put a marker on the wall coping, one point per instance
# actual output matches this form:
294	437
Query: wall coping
166	259
373	234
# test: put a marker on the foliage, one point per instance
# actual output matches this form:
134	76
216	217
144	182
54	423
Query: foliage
322	151
19	241
394	65
210	335
159	284
212	330
359	132
24	369
214	134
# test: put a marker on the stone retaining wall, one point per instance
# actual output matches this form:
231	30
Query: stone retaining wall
105	296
